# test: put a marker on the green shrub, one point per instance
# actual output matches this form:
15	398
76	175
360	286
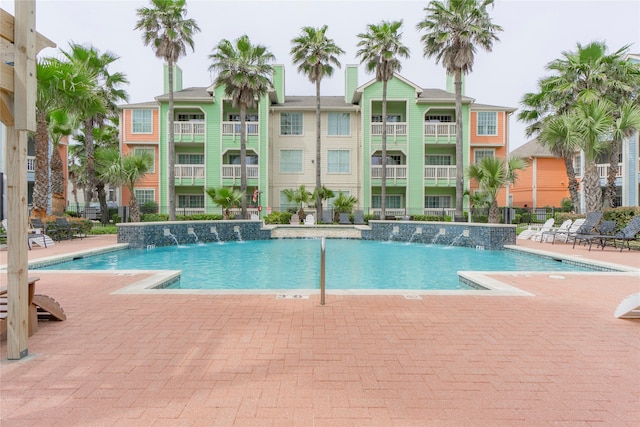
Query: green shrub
149	207
115	218
566	205
200	217
107	229
433	218
278	218
154	217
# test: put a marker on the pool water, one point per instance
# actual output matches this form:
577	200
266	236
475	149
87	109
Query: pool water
295	264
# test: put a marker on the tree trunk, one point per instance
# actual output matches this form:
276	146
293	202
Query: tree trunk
318	149
459	145
58	203
494	212
383	177
89	148
171	152
41	185
243	159
592	189
573	186
610	190
134	209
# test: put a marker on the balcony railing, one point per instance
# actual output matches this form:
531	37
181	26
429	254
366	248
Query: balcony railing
603	170
188	128
440	211
189	171
233	128
234	171
389	212
31	163
440	172
439	129
393	171
393	129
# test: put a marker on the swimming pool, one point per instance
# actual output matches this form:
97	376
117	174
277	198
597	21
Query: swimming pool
294	264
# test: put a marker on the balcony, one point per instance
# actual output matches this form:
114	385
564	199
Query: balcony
603	170
31	164
393	129
440	211
234	171
233	128
440	175
393	172
189	131
189	174
396	213
440	133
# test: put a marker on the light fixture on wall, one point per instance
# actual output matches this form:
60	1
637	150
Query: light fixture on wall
312	161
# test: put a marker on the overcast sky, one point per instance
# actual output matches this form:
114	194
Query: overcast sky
535	33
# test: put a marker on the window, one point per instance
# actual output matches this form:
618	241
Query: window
487	123
438	118
577	164
437	202
347	193
141	121
190	117
191	159
152	153
393	201
338	124
290	123
285	203
234	159
437	160
144	196
391	118
195	201
481	154
391	160
338	161
235	117
291	161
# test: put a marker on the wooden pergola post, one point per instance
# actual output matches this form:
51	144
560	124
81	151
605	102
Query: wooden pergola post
18	86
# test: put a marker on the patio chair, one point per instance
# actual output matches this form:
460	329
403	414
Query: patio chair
326	217
629	308
571	232
345	218
39	234
605	229
309	220
38	239
66	229
587	227
547	226
629	233
564	228
295	220
358	217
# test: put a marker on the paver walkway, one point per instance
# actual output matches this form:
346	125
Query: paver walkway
556	358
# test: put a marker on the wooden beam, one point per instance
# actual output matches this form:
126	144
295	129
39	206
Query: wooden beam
24	68
7	24
6	109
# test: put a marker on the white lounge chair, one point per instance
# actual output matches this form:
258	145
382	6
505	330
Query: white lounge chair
546	227
629	308
564	236
309	220
551	234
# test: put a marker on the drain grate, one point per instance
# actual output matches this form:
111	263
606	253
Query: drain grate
292	296
410	296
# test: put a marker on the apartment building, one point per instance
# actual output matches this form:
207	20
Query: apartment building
281	145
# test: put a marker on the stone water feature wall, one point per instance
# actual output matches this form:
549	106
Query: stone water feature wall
142	234
487	236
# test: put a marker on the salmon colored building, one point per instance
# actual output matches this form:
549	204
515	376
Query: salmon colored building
543	182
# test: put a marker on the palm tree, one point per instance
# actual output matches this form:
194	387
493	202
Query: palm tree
226	198
587	74
380	51
61	125
453	30
322	193
492	174
627	122
99	110
343	203
244	71
300	196
315	55
166	29
60	86
127	170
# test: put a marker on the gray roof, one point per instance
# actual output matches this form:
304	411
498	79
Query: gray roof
145	105
476	106
441	95
309	102
190	93
532	148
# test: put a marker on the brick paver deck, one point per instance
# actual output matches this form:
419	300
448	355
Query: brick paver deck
556	358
